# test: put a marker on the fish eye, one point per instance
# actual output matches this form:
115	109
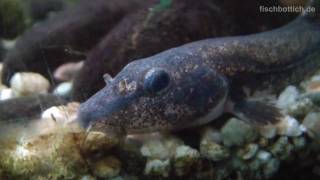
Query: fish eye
156	81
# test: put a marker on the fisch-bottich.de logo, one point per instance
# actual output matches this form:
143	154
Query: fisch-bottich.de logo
286	9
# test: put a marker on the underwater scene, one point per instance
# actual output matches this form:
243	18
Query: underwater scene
159	89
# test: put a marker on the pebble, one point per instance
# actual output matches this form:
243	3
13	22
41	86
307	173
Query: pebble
288	97
213	151
301	107
62	114
312	123
268	131
289	126
160	148
28	83
264	156
184	158
236	133
98	141
107	167
64	89
6	94
158	167
248	152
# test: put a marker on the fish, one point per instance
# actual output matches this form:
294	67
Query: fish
194	84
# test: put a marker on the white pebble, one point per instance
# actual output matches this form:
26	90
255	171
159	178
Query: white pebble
6	94
28	83
287	97
63	89
268	131
289	126
61	114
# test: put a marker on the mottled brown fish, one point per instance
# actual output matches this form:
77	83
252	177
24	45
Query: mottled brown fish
197	82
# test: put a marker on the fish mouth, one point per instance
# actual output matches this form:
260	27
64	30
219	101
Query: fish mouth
101	109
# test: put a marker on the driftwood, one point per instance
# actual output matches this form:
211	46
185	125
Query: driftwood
27	108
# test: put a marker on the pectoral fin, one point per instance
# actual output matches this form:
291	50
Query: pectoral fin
256	112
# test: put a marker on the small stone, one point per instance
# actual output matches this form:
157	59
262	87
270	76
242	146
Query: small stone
98	141
282	148
264	156
263	142
67	72
248	152
28	83
160	148
185	157
107	167
87	177
301	107
268	131
299	142
6	94
289	126
213	151
313	85
312	123
64	89
236	133
288	97
62	114
158	167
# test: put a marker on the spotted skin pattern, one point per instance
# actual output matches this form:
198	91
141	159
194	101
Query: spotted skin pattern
204	75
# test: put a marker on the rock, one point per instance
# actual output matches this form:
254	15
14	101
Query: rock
299	142
281	148
312	85
29	83
268	131
264	156
107	167
184	158
67	72
289	126
6	94
27	108
248	152
300	108
158	167
213	151
64	90
312	124
313	96
236	133
210	147
98	141
62	114
87	177
160	148
288	97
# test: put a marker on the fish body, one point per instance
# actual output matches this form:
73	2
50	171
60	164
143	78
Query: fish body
196	83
